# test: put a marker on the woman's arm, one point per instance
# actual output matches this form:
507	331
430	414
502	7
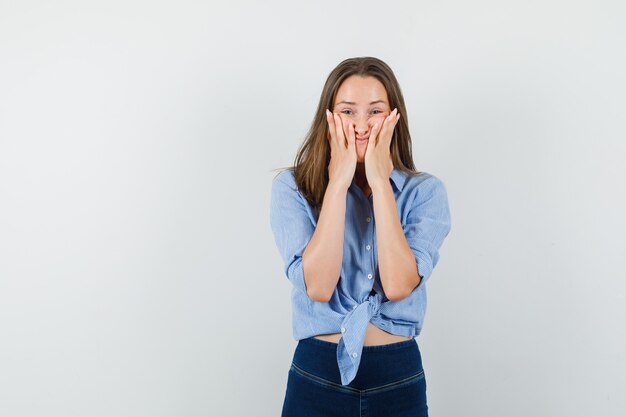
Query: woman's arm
323	256
407	253
396	262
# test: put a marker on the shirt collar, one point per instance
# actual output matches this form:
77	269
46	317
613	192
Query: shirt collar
398	177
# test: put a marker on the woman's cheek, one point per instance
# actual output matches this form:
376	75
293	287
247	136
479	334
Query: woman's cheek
377	120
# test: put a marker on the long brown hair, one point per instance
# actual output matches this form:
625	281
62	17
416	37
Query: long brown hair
313	157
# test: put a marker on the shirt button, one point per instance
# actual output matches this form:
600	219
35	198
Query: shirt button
353	307
369	276
368	247
368	219
354	354
343	330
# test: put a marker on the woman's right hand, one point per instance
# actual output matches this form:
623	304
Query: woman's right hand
342	153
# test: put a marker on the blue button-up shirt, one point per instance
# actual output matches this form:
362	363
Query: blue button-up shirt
359	297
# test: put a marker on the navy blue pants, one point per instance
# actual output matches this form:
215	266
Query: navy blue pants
390	382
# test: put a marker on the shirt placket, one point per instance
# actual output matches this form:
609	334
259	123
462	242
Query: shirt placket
370	234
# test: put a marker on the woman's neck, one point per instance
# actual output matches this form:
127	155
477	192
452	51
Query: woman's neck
360	176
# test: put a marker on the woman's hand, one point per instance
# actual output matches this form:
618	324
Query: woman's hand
378	162
342	153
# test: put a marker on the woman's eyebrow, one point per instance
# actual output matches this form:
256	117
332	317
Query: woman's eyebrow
351	102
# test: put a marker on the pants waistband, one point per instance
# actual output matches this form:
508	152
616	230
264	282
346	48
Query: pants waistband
371	348
380	364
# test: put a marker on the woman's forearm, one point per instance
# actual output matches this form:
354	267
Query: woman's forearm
323	256
396	262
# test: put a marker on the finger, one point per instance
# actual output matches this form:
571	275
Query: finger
389	120
393	127
331	128
373	134
341	139
351	137
388	126
395	118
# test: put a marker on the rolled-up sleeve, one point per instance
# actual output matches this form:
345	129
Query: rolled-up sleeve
291	225
427	225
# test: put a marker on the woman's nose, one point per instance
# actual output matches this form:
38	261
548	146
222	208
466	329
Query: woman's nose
361	128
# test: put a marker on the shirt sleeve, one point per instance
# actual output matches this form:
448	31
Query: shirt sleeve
427	225
291	225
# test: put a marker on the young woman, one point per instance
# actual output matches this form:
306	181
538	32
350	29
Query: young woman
359	231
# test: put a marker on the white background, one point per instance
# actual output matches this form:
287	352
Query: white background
138	273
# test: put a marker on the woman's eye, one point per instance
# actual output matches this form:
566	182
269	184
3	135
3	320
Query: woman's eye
349	111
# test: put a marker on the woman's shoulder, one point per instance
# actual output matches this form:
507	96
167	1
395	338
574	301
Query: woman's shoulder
287	177
422	179
284	184
424	185
418	180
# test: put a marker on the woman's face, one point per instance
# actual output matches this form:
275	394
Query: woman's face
363	102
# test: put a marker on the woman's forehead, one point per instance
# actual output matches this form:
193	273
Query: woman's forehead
361	91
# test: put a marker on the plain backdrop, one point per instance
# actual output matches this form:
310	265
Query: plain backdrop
138	272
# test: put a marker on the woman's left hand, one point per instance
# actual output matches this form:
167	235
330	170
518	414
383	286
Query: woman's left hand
378	162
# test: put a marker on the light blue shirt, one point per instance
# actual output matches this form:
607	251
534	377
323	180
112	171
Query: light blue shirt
359	297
